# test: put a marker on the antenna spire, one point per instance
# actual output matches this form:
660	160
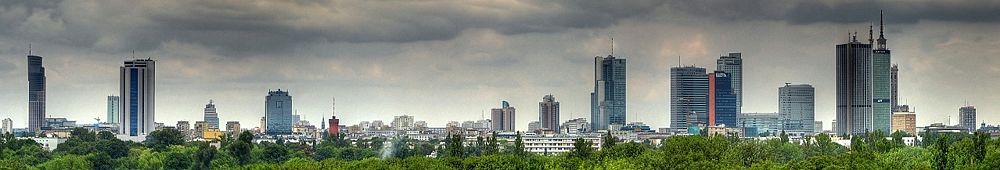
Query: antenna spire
871	36
612	43
29	48
881	30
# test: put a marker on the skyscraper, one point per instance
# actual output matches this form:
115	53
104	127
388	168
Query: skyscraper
722	106
967	118
882	84
138	97
797	108
607	101
894	84
733	65
113	109
36	93
278	113
211	117
854	93
688	96
548	113
503	118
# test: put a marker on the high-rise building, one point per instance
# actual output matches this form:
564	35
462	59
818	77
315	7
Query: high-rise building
882	85
36	93
607	101
905	122
211	116
138	94
403	122
894	84
733	65
854	87
183	126
8	126
722	106
113	109
503	118
967	118
797	108
688	97
548	113
278	113
233	126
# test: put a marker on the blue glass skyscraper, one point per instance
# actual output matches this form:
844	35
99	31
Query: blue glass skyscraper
608	98
36	93
278	113
723	101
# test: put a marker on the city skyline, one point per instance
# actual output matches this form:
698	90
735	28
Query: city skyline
419	69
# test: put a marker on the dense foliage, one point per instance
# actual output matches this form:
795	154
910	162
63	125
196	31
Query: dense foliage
87	150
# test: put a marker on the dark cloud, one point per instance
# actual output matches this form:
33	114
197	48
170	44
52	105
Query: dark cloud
808	12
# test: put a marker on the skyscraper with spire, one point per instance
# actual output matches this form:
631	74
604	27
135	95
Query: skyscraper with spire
881	82
863	85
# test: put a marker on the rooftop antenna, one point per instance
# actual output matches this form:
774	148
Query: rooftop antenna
29	48
679	63
871	36
612	43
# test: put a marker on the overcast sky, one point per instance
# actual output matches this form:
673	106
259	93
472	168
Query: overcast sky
453	60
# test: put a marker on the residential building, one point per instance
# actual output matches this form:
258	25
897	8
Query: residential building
607	101
138	95
36	93
503	117
818	126
548	113
278	113
688	97
113	102
797	107
183	126
233	127
404	122
967	118
905	121
8	126
554	145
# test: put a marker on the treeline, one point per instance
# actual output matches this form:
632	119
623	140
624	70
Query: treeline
165	149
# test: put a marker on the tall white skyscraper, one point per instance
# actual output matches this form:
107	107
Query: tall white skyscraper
138	96
211	117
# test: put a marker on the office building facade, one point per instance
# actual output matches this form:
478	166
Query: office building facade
211	116
732	64
138	94
548	113
503	117
278	113
607	101
797	107
688	97
113	109
36	93
967	118
722	105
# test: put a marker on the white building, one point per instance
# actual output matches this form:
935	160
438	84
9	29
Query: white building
404	122
8	126
553	145
137	85
575	126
